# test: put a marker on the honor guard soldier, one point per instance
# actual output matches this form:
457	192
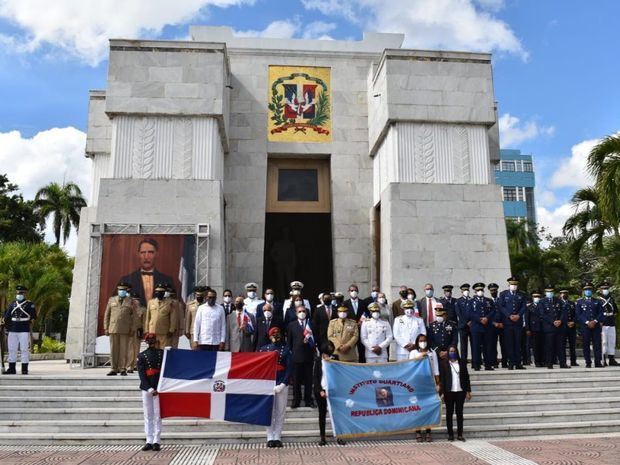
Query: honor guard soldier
571	326
190	312
498	328
512	304
118	322
252	301
449	302
554	327
149	368
280	398
18	319
376	335
610	310
160	317
534	331
137	332
462	310
589	312
442	332
481	317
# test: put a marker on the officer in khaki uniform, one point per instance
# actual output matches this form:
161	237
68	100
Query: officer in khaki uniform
190	310
117	323
179	311
137	332
343	332
161	318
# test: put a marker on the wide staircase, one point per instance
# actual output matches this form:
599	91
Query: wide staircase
87	407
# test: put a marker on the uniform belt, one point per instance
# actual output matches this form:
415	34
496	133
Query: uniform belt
152	371
20	319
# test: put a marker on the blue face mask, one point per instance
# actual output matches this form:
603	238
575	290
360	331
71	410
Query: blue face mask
122	293
453	356
549	295
429	293
334	302
20	297
588	292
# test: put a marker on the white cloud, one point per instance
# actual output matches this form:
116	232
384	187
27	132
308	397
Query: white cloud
318	30
82	28
572	171
553	219
546	198
431	24
512	131
287	29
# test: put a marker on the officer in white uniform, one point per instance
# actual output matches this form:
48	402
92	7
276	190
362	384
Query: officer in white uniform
252	301
376	336
406	330
296	287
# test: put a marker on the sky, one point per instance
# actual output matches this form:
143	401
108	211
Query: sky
555	70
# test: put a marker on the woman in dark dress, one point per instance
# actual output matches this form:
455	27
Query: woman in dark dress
455	389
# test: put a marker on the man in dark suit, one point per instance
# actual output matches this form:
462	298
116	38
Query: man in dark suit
264	323
427	304
322	316
143	281
276	307
301	344
358	311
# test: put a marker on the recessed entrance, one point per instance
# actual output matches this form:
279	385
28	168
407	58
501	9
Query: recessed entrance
298	230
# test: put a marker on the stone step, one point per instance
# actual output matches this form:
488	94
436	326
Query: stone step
540	373
172	437
549	383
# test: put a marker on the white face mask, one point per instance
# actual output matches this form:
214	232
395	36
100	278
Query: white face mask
605	292
374	294
422	344
299	303
269	297
166	294
536	300
465	293
353	294
439	319
479	293
376	315
408	312
549	295
512	287
227	299
301	315
267	314
342	315
410	297
252	294
382	301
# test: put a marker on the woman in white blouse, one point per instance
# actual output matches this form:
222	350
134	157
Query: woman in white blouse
455	389
421	351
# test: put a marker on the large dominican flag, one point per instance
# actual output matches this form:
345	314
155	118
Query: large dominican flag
218	385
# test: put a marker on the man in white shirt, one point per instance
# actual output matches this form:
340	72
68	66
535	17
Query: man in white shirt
252	301
376	336
406	330
210	325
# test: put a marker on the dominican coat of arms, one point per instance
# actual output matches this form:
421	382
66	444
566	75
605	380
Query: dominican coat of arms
299	104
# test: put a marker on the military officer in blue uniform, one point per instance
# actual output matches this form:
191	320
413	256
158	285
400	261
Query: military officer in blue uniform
512	304
589	312
18	319
449	302
149	368
554	320
498	329
462	310
570	338
610	310
442	333
481	316
280	398
534	330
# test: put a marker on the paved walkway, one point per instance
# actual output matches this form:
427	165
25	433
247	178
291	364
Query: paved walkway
572	450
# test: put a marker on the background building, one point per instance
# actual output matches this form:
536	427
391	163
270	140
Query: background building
515	173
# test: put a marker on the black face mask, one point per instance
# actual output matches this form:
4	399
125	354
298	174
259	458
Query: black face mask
200	299
239	306
159	295
327	302
403	294
211	300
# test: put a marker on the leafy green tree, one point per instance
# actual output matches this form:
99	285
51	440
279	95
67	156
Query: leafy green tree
539	267
18	220
521	235
63	202
604	165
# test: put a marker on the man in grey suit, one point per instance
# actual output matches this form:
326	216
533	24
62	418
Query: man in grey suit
427	304
240	329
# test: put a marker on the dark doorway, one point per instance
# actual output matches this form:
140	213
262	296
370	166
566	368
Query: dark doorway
298	246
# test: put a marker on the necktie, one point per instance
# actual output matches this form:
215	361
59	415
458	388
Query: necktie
268	322
328	310
430	311
238	319
355	305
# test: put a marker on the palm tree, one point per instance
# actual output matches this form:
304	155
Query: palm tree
604	165
64	202
539	267
587	224
521	235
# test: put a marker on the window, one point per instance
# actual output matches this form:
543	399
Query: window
530	205
510	193
508	166
299	185
527	166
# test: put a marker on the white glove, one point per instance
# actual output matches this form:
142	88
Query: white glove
279	388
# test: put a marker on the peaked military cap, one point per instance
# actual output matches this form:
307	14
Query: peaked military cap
338	295
536	294
549	288
21	288
297	285
160	287
447	287
407	304
373	306
492	286
342	308
604	285
200	289
465	286
251	286
513	280
588	285
439	310
564	290
123	285
478	286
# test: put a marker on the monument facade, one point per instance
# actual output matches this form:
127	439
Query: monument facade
268	160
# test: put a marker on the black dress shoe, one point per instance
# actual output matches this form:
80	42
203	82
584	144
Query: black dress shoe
277	443
147	446
451	437
598	365
340	442
489	369
550	367
112	373
310	404
270	444
511	367
588	365
322	442
476	368
295	405
461	438
564	366
519	367
156	447
123	373
538	365
574	364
